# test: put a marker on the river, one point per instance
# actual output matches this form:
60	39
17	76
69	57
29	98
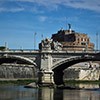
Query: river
11	92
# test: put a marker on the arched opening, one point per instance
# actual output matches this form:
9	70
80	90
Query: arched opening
16	59
58	69
17	67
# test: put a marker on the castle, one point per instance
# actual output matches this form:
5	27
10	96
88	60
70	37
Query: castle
73	41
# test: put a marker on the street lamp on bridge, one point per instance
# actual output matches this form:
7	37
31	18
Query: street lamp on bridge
35	40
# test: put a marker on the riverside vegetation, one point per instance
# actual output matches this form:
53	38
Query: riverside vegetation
67	82
17	82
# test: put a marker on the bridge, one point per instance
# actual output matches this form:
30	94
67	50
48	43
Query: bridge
50	60
50	63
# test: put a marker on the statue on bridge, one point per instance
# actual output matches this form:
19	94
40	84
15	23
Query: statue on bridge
56	46
45	44
49	44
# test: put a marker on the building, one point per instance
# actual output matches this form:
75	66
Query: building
72	40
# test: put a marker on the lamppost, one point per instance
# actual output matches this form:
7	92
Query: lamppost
96	41
42	36
5	45
35	40
86	46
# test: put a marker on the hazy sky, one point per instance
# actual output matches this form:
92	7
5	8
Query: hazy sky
20	19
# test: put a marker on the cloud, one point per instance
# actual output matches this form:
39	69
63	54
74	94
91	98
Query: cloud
42	18
8	6
11	9
18	6
93	5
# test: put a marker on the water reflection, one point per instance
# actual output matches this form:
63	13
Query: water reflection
58	94
50	94
21	93
17	93
65	94
45	94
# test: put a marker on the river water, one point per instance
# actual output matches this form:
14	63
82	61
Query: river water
11	92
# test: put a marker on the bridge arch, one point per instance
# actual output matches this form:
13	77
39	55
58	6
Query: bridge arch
60	66
16	59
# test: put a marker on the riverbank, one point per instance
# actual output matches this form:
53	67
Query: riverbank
82	81
83	84
73	83
17	81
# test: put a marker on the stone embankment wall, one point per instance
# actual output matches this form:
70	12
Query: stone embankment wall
71	74
82	74
16	71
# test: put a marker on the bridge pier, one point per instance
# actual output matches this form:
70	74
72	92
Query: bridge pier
45	74
45	78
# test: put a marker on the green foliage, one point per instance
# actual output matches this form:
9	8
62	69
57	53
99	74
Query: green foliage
2	48
18	82
82	81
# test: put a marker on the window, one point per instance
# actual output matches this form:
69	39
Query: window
83	43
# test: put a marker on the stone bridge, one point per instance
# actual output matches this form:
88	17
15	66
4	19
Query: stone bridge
50	60
49	63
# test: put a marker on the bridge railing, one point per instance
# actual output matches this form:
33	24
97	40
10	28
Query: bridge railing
89	51
20	50
36	51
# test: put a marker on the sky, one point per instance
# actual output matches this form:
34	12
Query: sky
24	23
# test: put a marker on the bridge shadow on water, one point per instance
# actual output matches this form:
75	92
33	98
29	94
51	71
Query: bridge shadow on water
67	93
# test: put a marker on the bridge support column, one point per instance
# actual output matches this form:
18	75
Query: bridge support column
45	78
45	75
